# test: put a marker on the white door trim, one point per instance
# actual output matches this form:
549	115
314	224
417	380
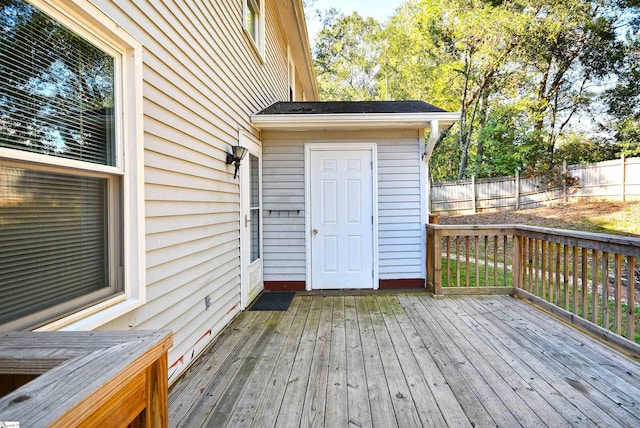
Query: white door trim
247	140
339	146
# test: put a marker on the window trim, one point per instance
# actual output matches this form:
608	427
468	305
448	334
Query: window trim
85	19
259	44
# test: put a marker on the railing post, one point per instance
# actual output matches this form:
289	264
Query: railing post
437	261
517	261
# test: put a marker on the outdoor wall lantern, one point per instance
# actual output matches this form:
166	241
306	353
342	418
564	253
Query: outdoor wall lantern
237	154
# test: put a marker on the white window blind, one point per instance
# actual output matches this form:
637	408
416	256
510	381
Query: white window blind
57	226
56	93
53	234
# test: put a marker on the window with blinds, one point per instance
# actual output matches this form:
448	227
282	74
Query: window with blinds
58	224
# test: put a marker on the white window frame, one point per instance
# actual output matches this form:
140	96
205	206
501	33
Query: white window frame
83	18
258	44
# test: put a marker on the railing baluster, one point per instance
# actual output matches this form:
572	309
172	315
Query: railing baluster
631	298
550	273
565	279
557	280
505	270
531	241
457	261
495	260
605	290
574	295
595	298
466	260
448	244
618	301
537	271
543	255
475	242
585	282
486	260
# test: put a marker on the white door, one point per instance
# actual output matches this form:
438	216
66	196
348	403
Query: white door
341	219
250	224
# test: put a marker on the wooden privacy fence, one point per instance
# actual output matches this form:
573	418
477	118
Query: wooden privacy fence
617	179
590	279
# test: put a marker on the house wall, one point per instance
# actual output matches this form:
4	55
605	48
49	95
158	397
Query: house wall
400	198
202	81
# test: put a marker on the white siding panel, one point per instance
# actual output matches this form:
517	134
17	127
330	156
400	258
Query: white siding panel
399	204
202	81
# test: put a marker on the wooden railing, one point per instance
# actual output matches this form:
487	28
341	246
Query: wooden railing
88	379
587	278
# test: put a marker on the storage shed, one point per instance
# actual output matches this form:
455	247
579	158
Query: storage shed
344	188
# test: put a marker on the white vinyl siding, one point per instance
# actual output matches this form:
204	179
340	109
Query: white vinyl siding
201	84
399	209
282	197
399	205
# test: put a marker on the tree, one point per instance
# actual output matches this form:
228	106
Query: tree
346	57
55	87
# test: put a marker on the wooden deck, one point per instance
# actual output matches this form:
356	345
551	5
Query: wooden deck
406	360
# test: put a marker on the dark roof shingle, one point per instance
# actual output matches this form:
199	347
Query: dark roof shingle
350	107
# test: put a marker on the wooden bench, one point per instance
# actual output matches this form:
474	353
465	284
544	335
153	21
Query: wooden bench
84	379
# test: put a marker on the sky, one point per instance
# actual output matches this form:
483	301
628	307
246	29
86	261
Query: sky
378	9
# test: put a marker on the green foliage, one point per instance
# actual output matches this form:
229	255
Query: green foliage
346	57
520	73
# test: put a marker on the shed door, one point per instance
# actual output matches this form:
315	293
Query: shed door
341	197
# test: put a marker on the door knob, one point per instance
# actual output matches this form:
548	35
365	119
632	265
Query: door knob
315	231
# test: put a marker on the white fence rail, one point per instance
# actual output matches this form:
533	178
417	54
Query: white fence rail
616	180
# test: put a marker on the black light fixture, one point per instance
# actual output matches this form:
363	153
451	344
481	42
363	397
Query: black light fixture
235	157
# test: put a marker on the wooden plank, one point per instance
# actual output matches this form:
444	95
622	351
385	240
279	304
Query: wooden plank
507	369
452	291
595	299
480	403
293	400
313	411
426	402
401	395
359	410
575	407
246	407
382	410
272	397
87	384
610	393
510	404
337	414
218	382
188	388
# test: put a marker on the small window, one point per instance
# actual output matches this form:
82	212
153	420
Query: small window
254	23
62	207
254	208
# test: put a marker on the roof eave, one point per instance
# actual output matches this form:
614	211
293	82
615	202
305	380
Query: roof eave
344	121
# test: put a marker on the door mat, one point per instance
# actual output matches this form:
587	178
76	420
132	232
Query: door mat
273	301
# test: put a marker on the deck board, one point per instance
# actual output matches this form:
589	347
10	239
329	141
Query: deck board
406	360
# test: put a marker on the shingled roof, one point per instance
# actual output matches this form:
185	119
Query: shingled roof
350	107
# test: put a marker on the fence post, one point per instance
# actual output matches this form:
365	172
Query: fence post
624	176
517	189
565	195
473	193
